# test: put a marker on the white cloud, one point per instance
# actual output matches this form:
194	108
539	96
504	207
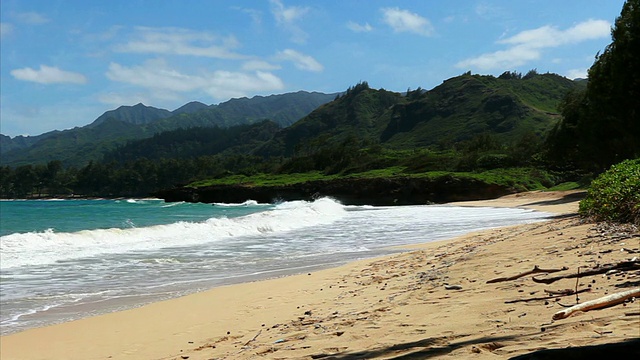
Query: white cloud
256	15
48	75
503	59
576	73
548	36
529	44
164	82
406	21
490	11
5	29
118	99
253	65
355	27
301	61
32	18
177	41
287	17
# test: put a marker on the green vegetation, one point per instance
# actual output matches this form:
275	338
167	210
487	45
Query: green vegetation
77	147
615	194
520	132
601	123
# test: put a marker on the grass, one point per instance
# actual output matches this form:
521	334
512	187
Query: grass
519	179
571	185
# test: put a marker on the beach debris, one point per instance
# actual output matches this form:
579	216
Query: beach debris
535	270
621	266
552	295
279	341
254	338
605	301
453	287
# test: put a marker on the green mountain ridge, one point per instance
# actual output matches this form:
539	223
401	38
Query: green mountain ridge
457	110
508	107
117	127
138	114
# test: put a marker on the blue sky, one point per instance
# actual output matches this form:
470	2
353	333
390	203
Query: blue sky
64	63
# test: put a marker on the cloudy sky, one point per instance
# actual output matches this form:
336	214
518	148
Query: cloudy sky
65	62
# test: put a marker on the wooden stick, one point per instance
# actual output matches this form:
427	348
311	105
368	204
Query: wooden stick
553	295
565	292
535	270
623	266
254	338
605	301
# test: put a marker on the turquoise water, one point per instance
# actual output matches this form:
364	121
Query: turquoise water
68	259
22	216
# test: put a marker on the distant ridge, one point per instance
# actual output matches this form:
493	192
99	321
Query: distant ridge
115	127
190	108
138	114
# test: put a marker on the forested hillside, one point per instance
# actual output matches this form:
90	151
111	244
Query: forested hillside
471	136
78	146
468	123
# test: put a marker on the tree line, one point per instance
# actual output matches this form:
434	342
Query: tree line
599	128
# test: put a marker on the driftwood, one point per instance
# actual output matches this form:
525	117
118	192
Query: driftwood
622	266
552	295
599	303
536	270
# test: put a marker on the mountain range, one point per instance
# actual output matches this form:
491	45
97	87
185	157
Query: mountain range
508	107
116	127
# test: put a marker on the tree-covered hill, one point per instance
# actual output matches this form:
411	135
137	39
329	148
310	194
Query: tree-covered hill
78	146
508	108
138	114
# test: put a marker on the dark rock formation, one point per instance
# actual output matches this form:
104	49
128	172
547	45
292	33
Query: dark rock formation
374	191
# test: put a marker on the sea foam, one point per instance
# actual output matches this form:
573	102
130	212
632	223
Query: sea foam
48	247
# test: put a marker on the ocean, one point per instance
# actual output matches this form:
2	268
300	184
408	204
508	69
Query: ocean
62	260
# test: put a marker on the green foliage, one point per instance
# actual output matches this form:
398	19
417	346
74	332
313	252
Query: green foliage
615	194
566	186
471	126
601	124
76	147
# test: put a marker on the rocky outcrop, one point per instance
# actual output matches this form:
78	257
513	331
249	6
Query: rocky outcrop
374	191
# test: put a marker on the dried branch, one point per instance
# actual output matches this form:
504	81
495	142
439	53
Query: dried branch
552	295
536	270
605	301
254	338
622	266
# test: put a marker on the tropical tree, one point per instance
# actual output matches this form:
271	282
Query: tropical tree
601	126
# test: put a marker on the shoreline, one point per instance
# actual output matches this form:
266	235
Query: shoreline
352	308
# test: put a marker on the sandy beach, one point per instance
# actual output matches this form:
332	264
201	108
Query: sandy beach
432	301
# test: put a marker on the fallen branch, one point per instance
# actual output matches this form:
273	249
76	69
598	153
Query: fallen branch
254	338
565	292
552	295
605	301
622	266
535	270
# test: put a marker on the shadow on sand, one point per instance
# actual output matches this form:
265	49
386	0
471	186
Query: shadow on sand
577	196
629	349
432	347
422	349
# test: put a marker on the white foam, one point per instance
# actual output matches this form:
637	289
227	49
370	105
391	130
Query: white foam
246	203
48	247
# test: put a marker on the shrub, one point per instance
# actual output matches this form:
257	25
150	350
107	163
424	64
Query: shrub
615	194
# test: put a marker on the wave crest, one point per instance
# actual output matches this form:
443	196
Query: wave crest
47	247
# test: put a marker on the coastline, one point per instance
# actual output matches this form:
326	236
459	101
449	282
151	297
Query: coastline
376	308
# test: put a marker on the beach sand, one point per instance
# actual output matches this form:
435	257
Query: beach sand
431	302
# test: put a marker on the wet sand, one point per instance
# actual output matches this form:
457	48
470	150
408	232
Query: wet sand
430	302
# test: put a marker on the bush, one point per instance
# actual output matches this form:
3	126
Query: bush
615	194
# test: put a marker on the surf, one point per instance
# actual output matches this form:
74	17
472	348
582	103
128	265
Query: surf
48	247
